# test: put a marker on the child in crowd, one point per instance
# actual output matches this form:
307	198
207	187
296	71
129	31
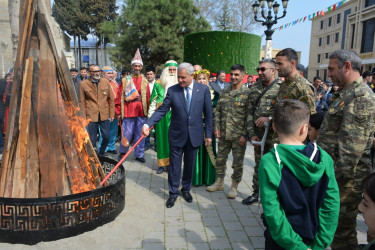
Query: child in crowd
320	104
367	208
298	189
315	122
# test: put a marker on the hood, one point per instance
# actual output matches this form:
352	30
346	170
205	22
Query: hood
308	171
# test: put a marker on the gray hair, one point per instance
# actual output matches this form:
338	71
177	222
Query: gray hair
269	61
186	66
344	55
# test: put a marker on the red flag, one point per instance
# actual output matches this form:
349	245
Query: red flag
322	13
334	7
304	19
317	14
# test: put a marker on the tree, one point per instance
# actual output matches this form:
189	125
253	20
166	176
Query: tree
100	11
72	20
156	27
224	18
243	16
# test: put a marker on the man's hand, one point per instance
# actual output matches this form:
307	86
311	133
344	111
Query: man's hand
242	141
255	138
260	122
111	119
145	130
119	117
207	141
217	134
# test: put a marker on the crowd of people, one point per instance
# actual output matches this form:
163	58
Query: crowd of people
313	142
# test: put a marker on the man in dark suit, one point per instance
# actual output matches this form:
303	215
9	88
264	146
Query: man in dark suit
220	83
188	100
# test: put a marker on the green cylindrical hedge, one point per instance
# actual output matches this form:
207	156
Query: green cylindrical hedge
219	50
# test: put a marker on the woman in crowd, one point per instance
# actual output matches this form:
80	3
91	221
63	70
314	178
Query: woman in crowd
367	208
204	172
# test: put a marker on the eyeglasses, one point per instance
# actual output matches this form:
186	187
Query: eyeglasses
95	71
262	69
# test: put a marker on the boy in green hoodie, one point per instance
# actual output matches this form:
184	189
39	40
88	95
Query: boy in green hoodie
298	189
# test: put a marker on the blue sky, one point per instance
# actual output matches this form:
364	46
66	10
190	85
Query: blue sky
297	36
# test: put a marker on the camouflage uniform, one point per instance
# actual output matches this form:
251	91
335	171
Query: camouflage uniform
297	88
230	120
346	134
264	109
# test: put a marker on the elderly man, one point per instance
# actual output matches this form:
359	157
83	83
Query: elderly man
132	105
346	134
187	101
109	74
168	78
97	106
262	100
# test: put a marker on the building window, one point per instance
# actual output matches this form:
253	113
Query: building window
337	37
368	36
85	51
353	29
330	22
325	75
328	39
321	24
338	18
320	41
317	72
326	55
369	3
318	58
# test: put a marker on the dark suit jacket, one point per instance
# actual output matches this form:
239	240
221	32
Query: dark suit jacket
186	125
216	87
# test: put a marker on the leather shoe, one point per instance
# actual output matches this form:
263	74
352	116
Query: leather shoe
140	159
160	170
187	197
112	152
170	202
251	199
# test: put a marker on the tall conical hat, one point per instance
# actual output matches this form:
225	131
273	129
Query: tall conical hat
137	58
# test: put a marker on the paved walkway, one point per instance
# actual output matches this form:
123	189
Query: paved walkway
212	221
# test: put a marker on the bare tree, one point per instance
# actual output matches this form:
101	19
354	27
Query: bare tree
207	8
243	15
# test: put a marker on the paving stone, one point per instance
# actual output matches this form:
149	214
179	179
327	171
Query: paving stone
249	222
154	237
198	246
197	217
194	226
153	246
258	242
176	242
237	236
215	232
219	243
196	237
232	226
229	217
174	231
242	245
209	222
254	231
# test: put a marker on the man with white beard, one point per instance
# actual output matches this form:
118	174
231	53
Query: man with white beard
168	78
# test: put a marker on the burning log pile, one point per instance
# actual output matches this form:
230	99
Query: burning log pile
47	151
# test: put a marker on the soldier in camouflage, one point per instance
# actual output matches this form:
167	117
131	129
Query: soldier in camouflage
262	99
230	129
295	86
346	134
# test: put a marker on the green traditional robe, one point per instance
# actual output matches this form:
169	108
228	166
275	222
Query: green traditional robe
161	129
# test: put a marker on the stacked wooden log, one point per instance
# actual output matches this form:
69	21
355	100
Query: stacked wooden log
47	151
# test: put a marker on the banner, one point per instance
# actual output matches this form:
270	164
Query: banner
312	16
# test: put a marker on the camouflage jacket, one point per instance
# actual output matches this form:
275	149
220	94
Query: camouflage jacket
263	109
297	88
230	114
348	128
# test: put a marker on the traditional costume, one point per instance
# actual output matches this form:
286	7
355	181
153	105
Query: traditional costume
132	102
161	129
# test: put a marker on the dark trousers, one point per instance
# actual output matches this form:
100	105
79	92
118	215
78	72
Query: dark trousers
93	129
175	162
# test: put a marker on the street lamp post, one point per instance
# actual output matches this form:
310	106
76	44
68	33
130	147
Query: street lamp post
268	20
3	47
